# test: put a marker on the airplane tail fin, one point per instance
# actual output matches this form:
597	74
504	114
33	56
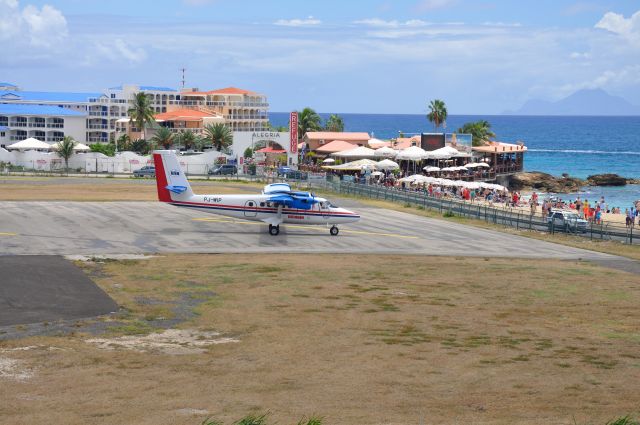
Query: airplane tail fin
170	179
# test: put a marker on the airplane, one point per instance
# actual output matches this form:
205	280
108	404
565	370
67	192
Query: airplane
276	204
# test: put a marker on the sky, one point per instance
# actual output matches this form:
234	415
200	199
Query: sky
367	56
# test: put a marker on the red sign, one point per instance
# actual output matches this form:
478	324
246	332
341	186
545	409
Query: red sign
293	132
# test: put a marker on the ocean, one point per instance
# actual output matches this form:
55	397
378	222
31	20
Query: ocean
580	146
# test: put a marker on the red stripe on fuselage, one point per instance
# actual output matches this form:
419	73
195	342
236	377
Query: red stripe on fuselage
265	209
161	179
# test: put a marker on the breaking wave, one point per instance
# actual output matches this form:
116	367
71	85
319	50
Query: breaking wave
593	152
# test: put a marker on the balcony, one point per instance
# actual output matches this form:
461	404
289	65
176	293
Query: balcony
98	113
17	124
55	138
98	126
97	139
55	125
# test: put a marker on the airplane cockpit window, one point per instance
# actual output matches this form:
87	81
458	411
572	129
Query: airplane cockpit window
330	205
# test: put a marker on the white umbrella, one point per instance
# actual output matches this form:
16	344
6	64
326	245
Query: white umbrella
30	144
377	173
376	143
385	152
431	169
412	153
359	152
387	164
483	165
329	161
442	153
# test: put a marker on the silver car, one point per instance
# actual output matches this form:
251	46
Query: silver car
567	220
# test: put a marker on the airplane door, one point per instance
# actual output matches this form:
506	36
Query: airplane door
250	209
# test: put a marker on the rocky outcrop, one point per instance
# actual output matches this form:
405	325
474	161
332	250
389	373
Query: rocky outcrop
608	180
544	182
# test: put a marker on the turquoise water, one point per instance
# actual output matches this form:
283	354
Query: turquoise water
580	146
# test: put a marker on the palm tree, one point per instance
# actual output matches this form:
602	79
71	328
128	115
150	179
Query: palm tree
480	130
141	113
163	137
65	150
438	113
219	135
123	142
334	123
308	120
188	139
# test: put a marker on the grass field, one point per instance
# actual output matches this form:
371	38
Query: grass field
357	339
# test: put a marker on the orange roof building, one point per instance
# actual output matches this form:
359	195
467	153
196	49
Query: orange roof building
316	139
243	110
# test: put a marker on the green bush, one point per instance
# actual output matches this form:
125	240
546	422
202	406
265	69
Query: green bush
448	214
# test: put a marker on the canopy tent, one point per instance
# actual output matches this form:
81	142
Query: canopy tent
359	152
329	161
387	164
30	144
335	146
79	147
413	153
355	165
385	152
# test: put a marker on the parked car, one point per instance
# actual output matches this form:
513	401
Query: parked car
223	169
146	171
295	175
569	220
283	169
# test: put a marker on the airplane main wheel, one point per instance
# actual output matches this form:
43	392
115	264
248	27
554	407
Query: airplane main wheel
274	230
334	231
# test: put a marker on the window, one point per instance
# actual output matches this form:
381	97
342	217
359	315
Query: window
113	95
261	203
250	204
1	133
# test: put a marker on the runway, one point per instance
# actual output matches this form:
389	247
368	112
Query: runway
85	228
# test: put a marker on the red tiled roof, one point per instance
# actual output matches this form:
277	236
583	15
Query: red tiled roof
231	90
270	149
336	146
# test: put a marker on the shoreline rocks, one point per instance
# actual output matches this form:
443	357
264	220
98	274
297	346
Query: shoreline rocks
544	182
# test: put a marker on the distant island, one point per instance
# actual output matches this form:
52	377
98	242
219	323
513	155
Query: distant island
583	102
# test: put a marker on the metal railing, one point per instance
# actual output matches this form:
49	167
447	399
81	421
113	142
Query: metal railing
510	217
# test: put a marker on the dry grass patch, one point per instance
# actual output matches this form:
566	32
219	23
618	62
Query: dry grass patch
356	339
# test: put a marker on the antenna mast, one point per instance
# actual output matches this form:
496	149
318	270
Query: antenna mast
183	70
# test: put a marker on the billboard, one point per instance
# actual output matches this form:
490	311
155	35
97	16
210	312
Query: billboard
462	142
293	133
431	141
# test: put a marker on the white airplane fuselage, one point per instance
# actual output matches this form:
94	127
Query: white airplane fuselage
258	208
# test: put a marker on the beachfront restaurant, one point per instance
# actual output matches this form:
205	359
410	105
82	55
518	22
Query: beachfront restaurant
504	158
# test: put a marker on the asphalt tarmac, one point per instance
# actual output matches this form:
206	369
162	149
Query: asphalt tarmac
47	289
86	228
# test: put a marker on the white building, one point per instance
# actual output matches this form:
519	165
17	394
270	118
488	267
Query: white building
43	122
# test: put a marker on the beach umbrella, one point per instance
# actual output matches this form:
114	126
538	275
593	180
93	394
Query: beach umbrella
377	143
385	152
359	152
483	165
387	164
329	161
442	153
79	147
412	153
377	173
431	169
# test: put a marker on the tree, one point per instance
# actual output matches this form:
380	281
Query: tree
437	113
279	129
188	139
123	143
108	149
334	123
140	146
65	150
248	153
219	135
308	120
163	137
200	142
141	113
479	130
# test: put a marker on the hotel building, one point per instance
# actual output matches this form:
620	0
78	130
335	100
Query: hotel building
96	117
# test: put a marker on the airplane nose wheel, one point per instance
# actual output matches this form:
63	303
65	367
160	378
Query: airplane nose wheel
334	231
274	230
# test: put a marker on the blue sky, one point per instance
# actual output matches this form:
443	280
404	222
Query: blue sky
480	56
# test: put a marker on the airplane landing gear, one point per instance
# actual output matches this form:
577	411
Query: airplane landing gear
274	230
334	231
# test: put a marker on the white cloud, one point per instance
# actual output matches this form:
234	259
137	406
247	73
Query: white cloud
45	27
377	22
298	22
502	24
426	5
119	50
580	55
618	24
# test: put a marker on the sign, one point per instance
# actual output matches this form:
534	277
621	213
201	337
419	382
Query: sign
293	132
432	141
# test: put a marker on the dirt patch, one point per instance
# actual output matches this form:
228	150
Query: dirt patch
14	369
171	341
